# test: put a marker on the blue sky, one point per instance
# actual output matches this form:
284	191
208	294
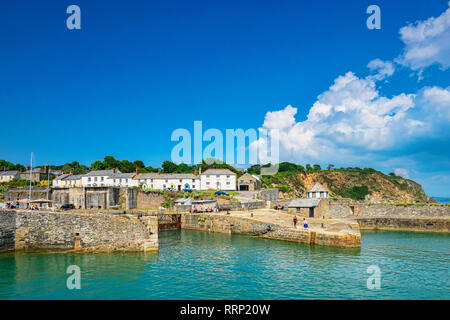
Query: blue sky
138	70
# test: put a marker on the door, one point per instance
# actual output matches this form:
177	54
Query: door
311	212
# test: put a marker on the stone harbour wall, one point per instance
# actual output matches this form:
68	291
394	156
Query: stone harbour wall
7	230
247	226
348	208
406	224
81	232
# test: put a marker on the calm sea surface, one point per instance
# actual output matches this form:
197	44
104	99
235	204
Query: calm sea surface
198	265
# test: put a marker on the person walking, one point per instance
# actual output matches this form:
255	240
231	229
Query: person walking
295	221
305	223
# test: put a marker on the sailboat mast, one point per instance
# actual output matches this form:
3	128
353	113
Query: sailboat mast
31	175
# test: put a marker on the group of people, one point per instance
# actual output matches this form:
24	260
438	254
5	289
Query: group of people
16	205
305	222
12	205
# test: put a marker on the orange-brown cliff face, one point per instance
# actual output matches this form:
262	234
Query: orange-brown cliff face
347	184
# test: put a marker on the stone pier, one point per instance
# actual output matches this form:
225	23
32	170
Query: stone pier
37	230
335	233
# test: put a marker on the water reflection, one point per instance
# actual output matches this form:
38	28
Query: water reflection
201	265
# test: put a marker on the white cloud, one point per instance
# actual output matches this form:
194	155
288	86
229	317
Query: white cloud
351	122
381	68
426	43
280	119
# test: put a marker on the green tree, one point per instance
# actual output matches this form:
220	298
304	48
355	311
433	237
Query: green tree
109	162
97	165
139	164
317	168
309	169
169	166
126	166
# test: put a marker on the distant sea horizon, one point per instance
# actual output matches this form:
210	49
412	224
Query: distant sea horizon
442	200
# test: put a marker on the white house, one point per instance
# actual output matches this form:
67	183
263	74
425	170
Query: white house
98	178
218	179
122	180
318	191
7	176
161	181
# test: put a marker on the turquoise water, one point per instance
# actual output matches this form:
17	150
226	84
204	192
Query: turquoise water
198	265
442	200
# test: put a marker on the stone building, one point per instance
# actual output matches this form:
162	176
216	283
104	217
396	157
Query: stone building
318	191
248	182
310	208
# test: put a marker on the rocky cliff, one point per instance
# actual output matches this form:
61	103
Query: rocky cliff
359	185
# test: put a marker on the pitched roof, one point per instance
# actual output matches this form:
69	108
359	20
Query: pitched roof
62	177
74	177
150	175
304	203
218	171
8	173
121	175
101	173
318	188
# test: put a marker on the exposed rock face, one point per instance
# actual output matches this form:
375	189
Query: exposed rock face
380	186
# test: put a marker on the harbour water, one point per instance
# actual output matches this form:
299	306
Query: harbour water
199	265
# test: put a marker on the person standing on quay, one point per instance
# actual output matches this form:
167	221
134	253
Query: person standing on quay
295	221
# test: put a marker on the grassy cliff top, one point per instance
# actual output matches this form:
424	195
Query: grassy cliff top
358	184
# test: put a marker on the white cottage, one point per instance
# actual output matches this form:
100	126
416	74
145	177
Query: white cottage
7	176
161	181
218	179
318	191
98	178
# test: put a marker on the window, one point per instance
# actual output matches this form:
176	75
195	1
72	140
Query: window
193	180
242	181
207	183
164	186
217	176
298	210
167	180
181	180
151	180
251	181
228	182
89	179
102	178
193	186
207	176
228	176
115	181
151	187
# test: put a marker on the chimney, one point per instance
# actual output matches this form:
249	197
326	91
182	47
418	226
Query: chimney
114	170
71	172
195	172
159	170
200	171
28	167
138	170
